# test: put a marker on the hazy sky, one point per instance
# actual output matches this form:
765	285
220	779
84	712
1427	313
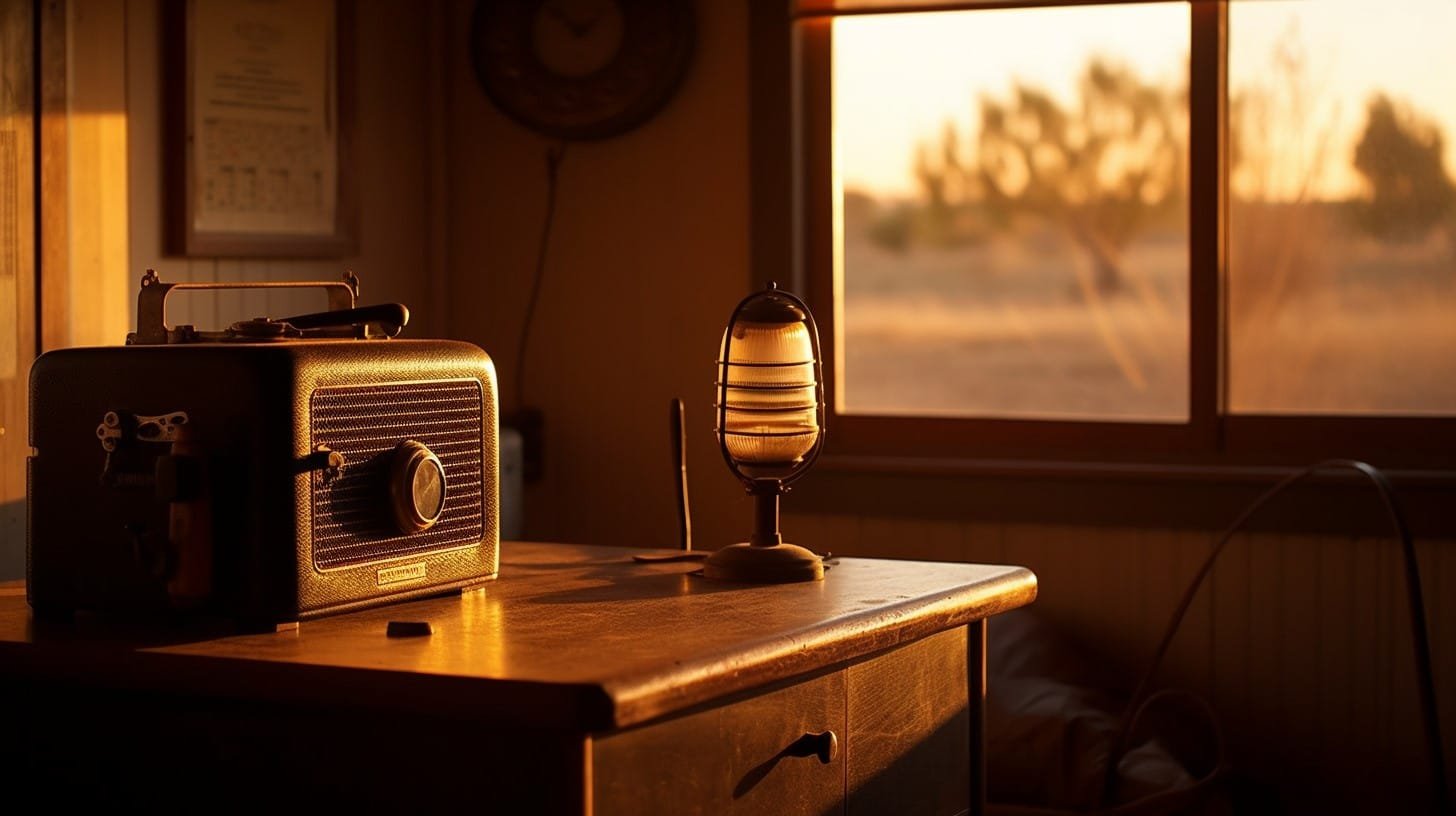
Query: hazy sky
899	77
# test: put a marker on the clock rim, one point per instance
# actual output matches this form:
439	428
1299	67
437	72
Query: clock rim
667	75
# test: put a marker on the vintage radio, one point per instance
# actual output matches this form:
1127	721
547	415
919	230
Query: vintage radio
274	471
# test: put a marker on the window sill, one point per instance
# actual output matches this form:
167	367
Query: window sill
1168	496
1125	471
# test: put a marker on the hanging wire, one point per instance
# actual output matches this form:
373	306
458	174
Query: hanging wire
1420	641
555	154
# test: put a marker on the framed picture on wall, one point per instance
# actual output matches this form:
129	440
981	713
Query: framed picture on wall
259	150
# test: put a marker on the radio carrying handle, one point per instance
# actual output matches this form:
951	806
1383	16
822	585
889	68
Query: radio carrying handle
152	301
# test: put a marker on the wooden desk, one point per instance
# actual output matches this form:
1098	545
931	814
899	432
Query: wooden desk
577	682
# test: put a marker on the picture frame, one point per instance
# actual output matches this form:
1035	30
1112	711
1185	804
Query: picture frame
259	138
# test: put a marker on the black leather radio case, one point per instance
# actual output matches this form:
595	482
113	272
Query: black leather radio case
265	480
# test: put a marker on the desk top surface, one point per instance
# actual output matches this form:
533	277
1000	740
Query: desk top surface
569	636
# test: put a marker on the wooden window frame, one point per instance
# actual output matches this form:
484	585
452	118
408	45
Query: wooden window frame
790	155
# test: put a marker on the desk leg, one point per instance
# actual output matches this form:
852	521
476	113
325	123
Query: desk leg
976	707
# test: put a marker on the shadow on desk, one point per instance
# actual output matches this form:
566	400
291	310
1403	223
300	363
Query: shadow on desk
132	632
617	587
175	754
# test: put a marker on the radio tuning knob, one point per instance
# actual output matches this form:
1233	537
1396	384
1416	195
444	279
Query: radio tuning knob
416	487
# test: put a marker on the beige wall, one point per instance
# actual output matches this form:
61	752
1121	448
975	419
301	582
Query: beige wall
649	255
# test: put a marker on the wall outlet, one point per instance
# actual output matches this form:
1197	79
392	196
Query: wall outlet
530	423
512	498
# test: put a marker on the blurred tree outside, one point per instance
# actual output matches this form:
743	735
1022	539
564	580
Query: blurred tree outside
1318	266
1279	143
1399	156
1100	170
1281	135
1046	232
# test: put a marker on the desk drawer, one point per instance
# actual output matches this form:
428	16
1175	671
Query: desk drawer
729	759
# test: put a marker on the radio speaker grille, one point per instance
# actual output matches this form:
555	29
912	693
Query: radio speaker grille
351	517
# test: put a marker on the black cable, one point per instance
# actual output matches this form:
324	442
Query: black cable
1420	642
554	156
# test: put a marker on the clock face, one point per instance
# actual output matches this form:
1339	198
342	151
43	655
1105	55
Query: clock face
581	69
577	38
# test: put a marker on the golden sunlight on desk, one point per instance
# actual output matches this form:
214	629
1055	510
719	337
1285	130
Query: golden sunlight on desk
578	682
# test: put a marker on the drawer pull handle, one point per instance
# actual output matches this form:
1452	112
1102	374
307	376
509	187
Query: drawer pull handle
824	745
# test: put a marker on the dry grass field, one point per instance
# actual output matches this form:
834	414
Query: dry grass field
1322	320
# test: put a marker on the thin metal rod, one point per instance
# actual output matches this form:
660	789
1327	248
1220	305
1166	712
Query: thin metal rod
680	457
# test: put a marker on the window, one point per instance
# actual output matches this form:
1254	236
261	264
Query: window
1342	208
1184	232
1014	227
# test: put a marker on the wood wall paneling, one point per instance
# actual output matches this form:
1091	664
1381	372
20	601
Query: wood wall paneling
54	214
1301	642
649	254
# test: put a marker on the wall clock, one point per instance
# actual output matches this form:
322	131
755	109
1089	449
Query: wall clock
581	69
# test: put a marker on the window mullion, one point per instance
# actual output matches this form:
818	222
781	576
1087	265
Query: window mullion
1207	120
